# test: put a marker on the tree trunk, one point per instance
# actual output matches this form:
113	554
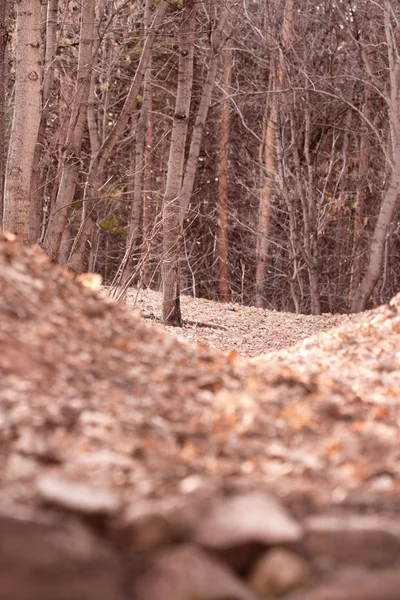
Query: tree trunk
149	209
267	191
39	161
390	199
374	267
136	189
26	119
223	169
217	41
148	214
132	251
3	72
171	201
266	199
362	185
70	161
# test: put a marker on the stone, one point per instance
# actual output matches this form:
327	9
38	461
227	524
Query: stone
278	572
369	540
188	573
49	561
248	517
76	497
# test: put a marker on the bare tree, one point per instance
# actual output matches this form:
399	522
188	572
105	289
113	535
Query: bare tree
223	177
218	37
391	196
267	190
41	158
26	119
171	201
71	157
308	197
96	168
3	71
361	198
138	165
149	208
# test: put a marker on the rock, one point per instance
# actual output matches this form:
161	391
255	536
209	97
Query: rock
244	518
278	572
357	584
77	498
352	540
186	573
142	529
41	561
237	528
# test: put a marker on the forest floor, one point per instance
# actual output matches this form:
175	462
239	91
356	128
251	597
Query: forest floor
247	330
136	465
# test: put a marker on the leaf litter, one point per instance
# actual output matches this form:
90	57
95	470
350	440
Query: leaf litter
247	330
153	453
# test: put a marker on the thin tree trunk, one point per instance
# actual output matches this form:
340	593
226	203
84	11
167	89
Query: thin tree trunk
132	251
149	213
217	41
70	162
91	117
266	199
26	119
267	192
98	164
374	267
135	188
312	234
171	201
3	73
39	162
149	209
363	165
390	199
223	169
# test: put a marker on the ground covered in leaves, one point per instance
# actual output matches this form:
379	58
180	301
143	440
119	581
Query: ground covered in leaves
134	465
247	330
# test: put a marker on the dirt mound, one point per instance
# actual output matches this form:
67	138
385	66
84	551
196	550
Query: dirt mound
127	452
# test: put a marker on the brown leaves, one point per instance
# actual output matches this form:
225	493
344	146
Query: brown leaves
170	451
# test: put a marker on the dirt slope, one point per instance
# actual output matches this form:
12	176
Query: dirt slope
127	452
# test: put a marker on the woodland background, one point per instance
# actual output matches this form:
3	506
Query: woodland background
240	150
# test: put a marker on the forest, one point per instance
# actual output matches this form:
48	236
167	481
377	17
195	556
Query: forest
239	150
199	305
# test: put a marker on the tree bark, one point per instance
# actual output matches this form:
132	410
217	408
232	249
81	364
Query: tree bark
3	72
171	201
223	171
374	267
217	41
70	161
267	191
149	208
390	199
132	251
362	184
40	162
26	119
266	199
